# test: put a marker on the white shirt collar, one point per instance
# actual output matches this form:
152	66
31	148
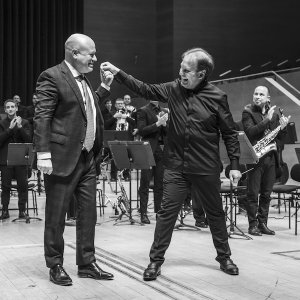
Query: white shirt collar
74	72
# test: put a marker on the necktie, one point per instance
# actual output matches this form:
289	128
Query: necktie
90	134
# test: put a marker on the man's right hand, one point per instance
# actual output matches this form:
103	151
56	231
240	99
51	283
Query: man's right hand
107	66
13	123
271	112
45	166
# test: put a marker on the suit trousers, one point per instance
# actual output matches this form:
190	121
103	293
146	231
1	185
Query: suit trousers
206	192
260	182
7	175
157	172
59	192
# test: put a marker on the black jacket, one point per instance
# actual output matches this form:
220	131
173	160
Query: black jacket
60	118
15	135
146	124
197	118
256	125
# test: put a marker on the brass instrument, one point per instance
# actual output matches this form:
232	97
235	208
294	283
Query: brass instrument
122	202
265	145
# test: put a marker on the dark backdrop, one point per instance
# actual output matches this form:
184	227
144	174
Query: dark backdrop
32	36
145	38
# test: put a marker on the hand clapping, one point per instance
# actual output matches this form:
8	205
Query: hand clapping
162	119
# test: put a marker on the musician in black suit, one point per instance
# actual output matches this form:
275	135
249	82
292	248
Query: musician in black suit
68	139
199	113
13	129
152	128
259	119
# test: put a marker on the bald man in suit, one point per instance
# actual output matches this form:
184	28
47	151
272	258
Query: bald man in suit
68	138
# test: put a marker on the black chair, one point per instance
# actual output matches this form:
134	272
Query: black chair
32	187
295	175
285	193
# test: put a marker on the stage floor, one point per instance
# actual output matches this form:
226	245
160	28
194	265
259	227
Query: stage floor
269	265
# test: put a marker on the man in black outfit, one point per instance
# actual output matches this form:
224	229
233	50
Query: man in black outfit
118	119
151	124
13	129
259	119
199	112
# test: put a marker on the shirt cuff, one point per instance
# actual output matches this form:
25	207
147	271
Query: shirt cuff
43	155
105	86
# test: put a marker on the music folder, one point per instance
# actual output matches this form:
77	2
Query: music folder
248	155
19	154
132	154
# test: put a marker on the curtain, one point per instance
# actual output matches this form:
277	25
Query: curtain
32	37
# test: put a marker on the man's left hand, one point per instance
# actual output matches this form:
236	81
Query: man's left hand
284	121
19	121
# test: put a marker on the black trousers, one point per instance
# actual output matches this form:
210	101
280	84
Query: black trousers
260	182
198	212
59	192
18	173
206	192
157	172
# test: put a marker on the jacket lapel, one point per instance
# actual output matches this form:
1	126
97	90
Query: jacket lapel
73	84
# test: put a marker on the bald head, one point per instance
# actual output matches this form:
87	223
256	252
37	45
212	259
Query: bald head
80	52
77	41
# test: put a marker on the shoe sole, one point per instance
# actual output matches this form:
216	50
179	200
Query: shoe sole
151	278
60	283
84	275
229	272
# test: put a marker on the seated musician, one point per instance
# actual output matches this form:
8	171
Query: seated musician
260	122
118	119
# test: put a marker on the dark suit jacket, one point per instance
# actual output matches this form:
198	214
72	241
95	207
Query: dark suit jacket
15	135
146	119
109	120
60	118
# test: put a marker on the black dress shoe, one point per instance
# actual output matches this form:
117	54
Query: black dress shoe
59	276
227	266
94	271
4	215
145	219
265	230
152	271
22	215
253	230
201	224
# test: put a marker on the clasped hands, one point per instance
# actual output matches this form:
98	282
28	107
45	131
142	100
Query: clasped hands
107	72
162	119
16	121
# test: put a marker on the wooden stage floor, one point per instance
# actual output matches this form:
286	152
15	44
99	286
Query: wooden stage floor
269	265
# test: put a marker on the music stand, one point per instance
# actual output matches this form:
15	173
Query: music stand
181	224
20	154
248	156
131	155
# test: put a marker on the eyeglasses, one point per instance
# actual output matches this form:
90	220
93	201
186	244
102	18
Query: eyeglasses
92	55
